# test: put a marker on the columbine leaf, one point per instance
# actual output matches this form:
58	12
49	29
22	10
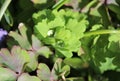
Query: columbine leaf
44	51
43	72
21	39
59	69
36	43
23	30
33	63
27	77
17	59
7	75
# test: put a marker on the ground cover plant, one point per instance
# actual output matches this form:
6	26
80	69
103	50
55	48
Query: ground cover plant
59	40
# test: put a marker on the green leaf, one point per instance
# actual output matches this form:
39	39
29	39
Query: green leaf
65	52
36	43
43	72
42	15
66	70
33	63
39	48
17	59
57	68
8	18
102	55
27	77
60	69
78	28
74	62
107	65
44	51
41	29
50	40
62	34
60	22
21	39
7	75
114	8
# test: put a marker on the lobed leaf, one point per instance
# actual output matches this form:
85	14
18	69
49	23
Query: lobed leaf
17	58
7	75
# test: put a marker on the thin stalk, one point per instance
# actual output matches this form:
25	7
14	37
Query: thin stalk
87	7
59	4
4	7
99	32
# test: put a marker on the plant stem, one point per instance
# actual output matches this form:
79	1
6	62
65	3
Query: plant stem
99	32
4	7
87	7
59	4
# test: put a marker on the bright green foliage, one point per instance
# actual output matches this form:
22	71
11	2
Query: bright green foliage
107	65
105	55
7	75
61	29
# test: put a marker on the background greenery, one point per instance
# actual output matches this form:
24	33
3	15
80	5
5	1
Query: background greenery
59	40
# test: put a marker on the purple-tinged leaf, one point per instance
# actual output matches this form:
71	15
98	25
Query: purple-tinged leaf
111	2
23	30
32	65
44	51
7	75
39	48
27	77
36	43
14	60
23	42
58	70
21	38
43	72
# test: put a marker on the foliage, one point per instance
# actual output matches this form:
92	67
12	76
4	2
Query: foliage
58	35
59	40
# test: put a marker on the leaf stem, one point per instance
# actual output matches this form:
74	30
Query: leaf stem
59	4
87	7
99	32
4	7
